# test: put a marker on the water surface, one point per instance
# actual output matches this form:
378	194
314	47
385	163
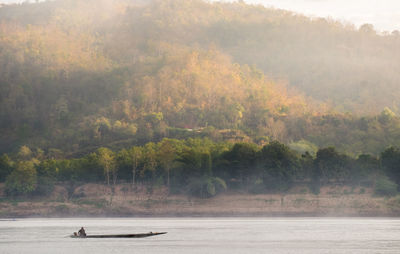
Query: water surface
204	235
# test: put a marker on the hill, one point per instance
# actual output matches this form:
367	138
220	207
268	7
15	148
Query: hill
76	75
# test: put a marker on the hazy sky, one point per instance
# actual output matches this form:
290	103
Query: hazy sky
383	14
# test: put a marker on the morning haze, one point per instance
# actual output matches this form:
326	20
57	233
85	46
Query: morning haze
384	15
197	108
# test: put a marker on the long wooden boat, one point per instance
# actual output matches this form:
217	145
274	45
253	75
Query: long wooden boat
121	236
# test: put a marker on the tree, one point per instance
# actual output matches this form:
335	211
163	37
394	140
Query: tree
22	180
196	162
279	166
386	116
149	161
89	168
367	29
47	168
46	176
391	163
166	156
137	156
241	161
106	159
5	167
365	166
332	165
307	165
24	153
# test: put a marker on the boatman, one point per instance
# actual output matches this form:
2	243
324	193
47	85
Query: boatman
82	232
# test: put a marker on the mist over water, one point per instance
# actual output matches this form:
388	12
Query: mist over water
204	235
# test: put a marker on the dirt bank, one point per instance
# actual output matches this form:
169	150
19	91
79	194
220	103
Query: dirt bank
98	200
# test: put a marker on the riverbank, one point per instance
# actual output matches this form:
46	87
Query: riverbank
94	200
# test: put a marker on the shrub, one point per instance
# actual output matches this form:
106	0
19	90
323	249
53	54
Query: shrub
385	187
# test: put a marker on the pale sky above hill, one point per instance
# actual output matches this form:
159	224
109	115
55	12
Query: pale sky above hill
383	14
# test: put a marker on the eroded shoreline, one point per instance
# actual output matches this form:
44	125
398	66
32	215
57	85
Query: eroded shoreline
94	200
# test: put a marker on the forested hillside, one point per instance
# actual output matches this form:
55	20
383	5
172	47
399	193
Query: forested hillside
77	75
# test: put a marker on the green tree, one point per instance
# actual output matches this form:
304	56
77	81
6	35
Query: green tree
240	162
332	165
6	167
89	168
195	162
391	163
46	176
107	161
48	168
22	180
166	156
279	166
136	156
365	166
149	162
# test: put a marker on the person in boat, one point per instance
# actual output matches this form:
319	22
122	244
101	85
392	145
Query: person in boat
82	232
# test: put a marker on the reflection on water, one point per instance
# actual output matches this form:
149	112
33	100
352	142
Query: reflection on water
204	235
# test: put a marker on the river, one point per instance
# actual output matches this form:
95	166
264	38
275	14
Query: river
204	235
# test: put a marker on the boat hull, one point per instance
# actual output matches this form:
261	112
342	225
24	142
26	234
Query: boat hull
121	236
